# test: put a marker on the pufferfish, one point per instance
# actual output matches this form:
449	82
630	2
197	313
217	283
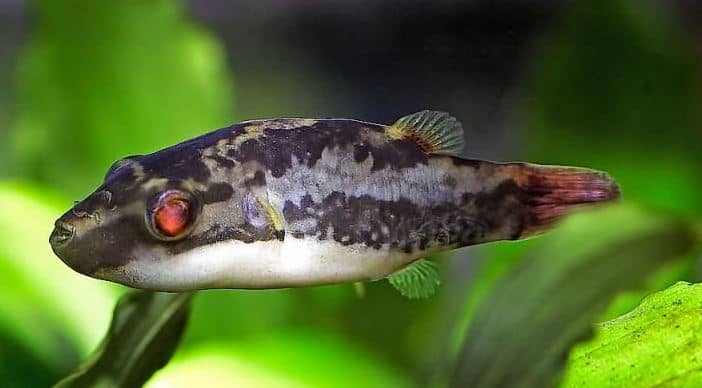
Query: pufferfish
299	202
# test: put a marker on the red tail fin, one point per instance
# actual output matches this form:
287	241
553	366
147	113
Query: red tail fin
550	192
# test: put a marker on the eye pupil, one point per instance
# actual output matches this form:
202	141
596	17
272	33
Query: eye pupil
172	217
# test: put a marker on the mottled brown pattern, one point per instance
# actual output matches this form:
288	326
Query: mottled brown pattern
277	147
337	180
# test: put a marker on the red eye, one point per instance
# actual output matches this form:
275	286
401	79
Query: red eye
171	214
172	217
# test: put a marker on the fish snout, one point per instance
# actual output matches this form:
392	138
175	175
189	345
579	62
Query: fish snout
66	239
61	235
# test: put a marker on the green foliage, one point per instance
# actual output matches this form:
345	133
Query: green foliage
418	280
115	79
522	331
616	88
49	316
657	344
94	85
145	331
498	260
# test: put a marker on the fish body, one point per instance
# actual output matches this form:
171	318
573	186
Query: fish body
297	202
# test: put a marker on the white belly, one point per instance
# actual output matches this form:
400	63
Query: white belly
263	264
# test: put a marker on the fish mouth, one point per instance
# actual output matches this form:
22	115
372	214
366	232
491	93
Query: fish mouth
66	243
61	235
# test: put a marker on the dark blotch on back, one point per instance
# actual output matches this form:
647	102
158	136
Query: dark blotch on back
398	154
184	160
476	164
259	179
218	192
277	147
395	153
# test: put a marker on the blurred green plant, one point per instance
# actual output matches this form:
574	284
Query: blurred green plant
97	81
614	88
657	344
117	79
145	331
297	358
525	326
49	317
114	79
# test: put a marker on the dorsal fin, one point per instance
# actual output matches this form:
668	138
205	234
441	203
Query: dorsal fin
434	132
418	280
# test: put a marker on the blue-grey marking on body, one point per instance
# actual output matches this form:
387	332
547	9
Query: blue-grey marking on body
299	202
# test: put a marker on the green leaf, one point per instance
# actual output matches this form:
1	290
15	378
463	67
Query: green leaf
418	280
657	344
522	332
145	331
117	78
575	238
39	313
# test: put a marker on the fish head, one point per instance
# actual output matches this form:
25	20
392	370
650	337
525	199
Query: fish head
146	215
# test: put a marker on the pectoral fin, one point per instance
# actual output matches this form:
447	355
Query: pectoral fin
418	280
262	215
